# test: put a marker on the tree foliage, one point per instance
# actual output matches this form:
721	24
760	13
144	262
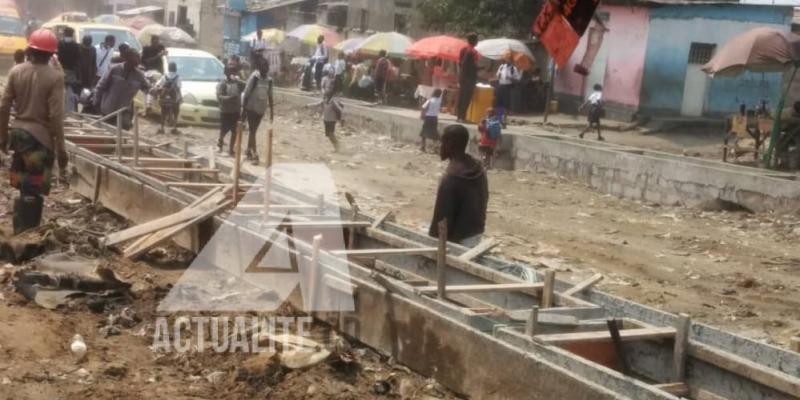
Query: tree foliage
489	18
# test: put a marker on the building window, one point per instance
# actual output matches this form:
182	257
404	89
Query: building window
171	18
183	12
400	23
364	20
700	53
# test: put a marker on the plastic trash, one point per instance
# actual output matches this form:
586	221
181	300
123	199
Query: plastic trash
78	348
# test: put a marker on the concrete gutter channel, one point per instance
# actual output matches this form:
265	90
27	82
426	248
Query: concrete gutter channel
478	355
618	170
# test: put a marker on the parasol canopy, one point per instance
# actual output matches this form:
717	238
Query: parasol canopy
308	34
275	36
394	43
760	50
444	47
500	49
348	46
108	19
170	36
138	22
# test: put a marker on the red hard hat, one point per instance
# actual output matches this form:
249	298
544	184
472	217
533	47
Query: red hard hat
43	40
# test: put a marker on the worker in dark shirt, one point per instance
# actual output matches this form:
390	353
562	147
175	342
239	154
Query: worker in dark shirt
69	55
87	70
153	55
468	76
463	195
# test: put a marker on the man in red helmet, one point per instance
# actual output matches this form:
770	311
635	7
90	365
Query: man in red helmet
36	136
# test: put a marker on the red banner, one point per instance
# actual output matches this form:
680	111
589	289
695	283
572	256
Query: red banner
561	24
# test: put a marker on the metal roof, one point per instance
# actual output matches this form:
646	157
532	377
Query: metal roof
266	5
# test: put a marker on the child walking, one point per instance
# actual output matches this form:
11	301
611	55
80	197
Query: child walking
430	117
595	104
491	129
332	111
169	89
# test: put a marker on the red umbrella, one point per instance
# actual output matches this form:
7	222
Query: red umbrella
444	47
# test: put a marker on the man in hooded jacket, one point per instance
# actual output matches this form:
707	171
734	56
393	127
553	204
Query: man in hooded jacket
463	194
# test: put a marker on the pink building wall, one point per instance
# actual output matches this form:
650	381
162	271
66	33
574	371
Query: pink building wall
627	45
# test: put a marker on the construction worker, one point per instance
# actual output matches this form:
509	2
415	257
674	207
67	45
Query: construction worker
119	86
37	134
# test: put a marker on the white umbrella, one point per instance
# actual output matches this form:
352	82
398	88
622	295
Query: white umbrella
497	49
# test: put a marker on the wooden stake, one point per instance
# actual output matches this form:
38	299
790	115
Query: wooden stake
441	261
530	325
321	204
613	330
135	138
119	137
268	178
794	344
98	176
548	293
679	352
237	166
314	273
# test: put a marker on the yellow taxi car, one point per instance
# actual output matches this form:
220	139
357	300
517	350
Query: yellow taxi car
98	32
200	72
12	30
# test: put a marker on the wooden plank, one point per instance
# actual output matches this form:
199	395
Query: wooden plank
160	160
319	224
479	250
743	367
383	218
152	226
441	261
201	185
679	389
136	138
794	344
549	288
500	287
679	352
144	245
702	394
469	267
386	252
627	335
183	170
278	207
96	146
580	287
168	221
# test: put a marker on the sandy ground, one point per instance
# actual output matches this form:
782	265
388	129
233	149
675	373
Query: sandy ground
738	271
735	270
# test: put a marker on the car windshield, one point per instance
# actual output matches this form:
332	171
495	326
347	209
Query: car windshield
199	68
99	35
11	26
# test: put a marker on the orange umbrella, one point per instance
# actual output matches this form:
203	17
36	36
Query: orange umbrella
444	47
760	49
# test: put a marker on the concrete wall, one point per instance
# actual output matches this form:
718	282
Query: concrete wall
674	28
626	41
381	16
631	173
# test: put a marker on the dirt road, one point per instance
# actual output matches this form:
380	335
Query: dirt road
734	270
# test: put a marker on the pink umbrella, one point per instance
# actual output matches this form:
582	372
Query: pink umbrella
760	49
444	47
